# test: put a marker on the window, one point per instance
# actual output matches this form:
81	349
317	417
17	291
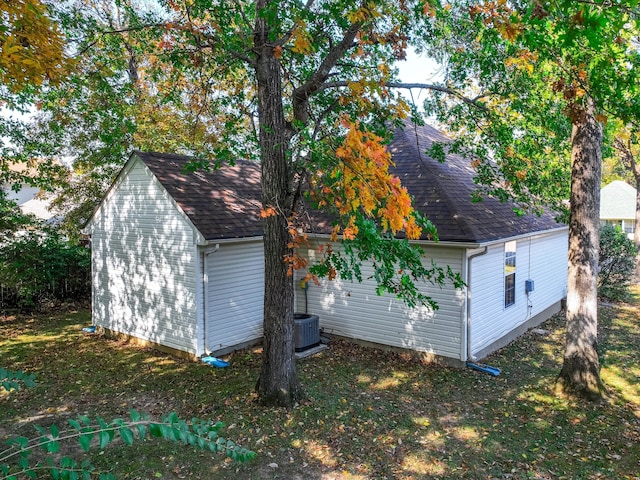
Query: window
509	274
629	226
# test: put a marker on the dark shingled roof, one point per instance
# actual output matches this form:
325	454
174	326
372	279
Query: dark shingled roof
225	203
442	191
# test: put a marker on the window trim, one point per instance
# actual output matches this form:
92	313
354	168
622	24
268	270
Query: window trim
509	282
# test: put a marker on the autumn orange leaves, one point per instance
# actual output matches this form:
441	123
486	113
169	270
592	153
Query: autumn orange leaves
358	184
363	182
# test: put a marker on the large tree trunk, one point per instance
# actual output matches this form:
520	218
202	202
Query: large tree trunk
580	374
278	383
636	232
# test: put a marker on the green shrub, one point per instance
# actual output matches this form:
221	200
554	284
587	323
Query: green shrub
617	263
38	263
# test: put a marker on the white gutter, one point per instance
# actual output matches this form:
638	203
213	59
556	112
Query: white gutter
541	233
443	243
470	357
468	244
214	243
205	286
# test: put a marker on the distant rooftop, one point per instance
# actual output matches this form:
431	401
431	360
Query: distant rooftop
618	201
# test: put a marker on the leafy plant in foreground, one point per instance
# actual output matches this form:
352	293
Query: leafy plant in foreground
13	380
16	461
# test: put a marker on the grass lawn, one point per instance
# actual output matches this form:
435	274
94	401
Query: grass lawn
368	415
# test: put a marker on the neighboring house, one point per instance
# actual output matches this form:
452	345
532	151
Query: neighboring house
30	199
178	261
618	206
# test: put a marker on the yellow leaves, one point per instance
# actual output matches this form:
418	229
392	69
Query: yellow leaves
301	40
523	60
623	134
367	11
509	152
402	109
31	45
334	233
365	184
350	232
509	30
384	69
359	15
357	88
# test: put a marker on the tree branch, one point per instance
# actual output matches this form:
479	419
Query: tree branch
316	81
425	86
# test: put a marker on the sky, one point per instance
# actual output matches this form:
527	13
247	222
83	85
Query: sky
417	69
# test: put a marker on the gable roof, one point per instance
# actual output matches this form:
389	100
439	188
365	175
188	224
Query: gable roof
222	203
226	203
618	201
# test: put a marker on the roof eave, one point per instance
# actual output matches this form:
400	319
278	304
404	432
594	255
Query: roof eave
471	243
214	241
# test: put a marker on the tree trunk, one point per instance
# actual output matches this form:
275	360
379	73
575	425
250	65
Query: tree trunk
278	383
580	374
636	232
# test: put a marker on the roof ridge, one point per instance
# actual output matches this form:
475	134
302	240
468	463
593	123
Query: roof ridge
460	219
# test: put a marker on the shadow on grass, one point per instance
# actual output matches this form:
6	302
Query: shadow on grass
368	414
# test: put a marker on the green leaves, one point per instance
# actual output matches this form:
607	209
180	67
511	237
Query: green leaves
398	267
39	261
11	380
197	433
616	262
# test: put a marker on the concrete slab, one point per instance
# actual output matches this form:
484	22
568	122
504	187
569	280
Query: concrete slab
310	351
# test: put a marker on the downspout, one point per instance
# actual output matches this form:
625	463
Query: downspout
205	287
470	357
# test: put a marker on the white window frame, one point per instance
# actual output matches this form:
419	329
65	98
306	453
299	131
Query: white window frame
509	282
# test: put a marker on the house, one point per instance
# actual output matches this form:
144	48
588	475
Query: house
515	268
178	261
29	199
618	206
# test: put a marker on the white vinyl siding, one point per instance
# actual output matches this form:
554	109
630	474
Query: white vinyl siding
235	295
144	263
353	310
542	259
